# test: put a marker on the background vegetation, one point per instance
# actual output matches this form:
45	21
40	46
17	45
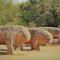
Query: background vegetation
32	13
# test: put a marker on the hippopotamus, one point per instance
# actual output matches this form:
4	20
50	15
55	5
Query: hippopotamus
39	37
55	32
13	36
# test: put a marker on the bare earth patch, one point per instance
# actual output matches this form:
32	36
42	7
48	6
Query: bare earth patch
45	53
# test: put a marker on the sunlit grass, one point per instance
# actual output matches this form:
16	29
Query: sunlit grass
45	53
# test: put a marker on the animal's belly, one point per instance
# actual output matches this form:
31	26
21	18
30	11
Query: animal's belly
2	39
19	40
2	42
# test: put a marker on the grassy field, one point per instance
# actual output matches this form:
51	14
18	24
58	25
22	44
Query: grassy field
45	53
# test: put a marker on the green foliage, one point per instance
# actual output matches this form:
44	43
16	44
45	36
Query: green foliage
8	12
41	13
32	13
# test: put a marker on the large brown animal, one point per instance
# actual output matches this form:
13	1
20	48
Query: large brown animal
13	36
39	36
55	32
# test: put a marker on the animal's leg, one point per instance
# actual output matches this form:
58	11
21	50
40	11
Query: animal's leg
10	47
35	45
38	47
10	43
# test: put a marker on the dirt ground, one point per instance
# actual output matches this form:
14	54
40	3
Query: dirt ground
45	53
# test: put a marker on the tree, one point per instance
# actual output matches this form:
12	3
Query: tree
33	12
9	12
53	14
